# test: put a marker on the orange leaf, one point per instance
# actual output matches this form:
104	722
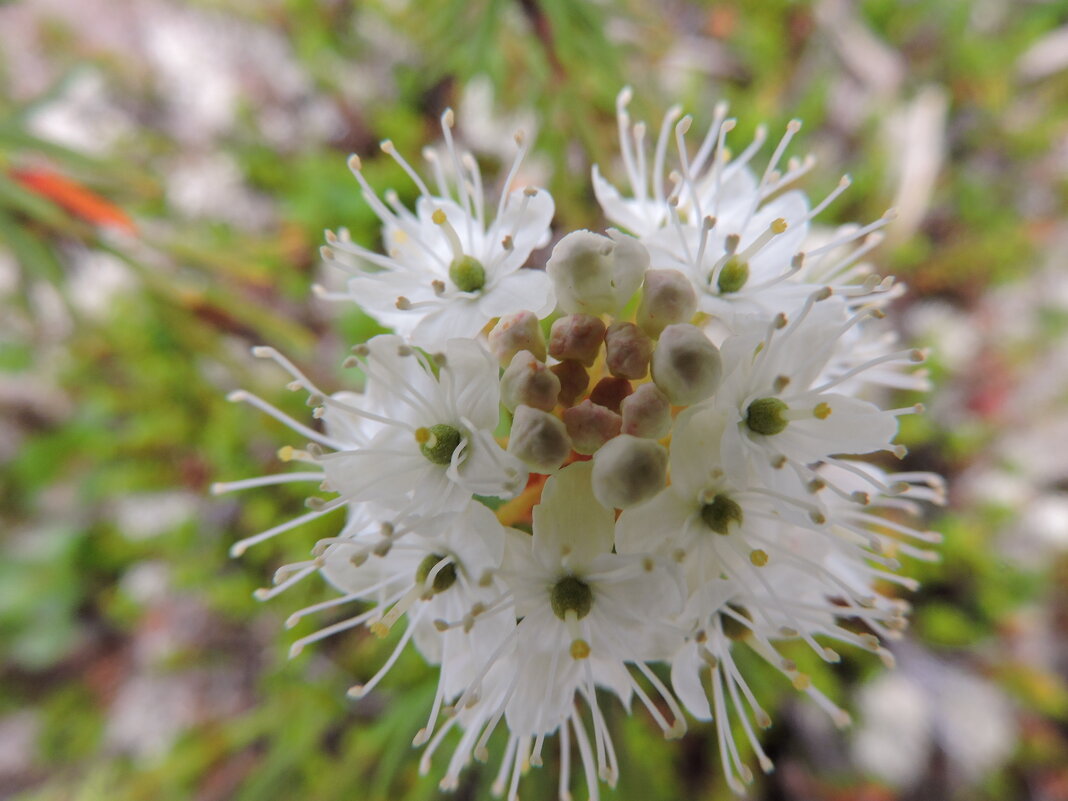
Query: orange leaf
74	198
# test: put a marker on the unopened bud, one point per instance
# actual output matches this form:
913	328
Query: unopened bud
668	297
610	392
590	426
686	366
573	380
529	382
628	470
596	274
578	337
516	332
646	413
627	351
538	439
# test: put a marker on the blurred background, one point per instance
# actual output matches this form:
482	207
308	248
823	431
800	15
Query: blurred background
166	172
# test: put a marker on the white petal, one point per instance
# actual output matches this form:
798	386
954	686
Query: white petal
854	426
625	212
653	525
477	538
469	379
526	222
686	681
522	290
695	448
569	520
457	316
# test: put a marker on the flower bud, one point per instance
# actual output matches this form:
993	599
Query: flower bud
646	413
686	366
516	332
590	426
578	337
668	297
573	380
528	382
628	471
538	439
610	392
594	274
627	350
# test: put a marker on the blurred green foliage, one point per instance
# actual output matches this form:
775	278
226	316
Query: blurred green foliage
133	401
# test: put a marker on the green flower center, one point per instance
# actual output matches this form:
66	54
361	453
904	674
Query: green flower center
443	579
438	442
571	595
765	416
467	273
719	514
733	276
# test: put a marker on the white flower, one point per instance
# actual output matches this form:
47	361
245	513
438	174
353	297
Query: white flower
434	570
737	237
781	415
708	519
450	269
584	614
436	448
723	616
763	359
572	592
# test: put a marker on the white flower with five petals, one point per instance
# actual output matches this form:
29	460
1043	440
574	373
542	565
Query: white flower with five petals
450	269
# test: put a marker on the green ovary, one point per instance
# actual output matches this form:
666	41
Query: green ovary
467	273
570	594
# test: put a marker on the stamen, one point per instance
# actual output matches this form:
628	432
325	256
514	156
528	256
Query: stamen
681	128
299	572
639	149
432	159
360	690
447	121
248	397
506	187
719	113
843	184
721	158
451	236
792	128
241	546
297	647
381	627
221	487
887	217
707	224
390	150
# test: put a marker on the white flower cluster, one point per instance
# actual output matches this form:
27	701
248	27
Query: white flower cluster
704	369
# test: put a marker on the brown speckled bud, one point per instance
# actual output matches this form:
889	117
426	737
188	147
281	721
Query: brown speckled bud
627	350
610	392
577	337
529	382
646	413
667	297
573	380
590	426
538	439
516	332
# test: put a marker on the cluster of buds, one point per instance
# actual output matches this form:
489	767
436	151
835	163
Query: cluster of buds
683	403
643	368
